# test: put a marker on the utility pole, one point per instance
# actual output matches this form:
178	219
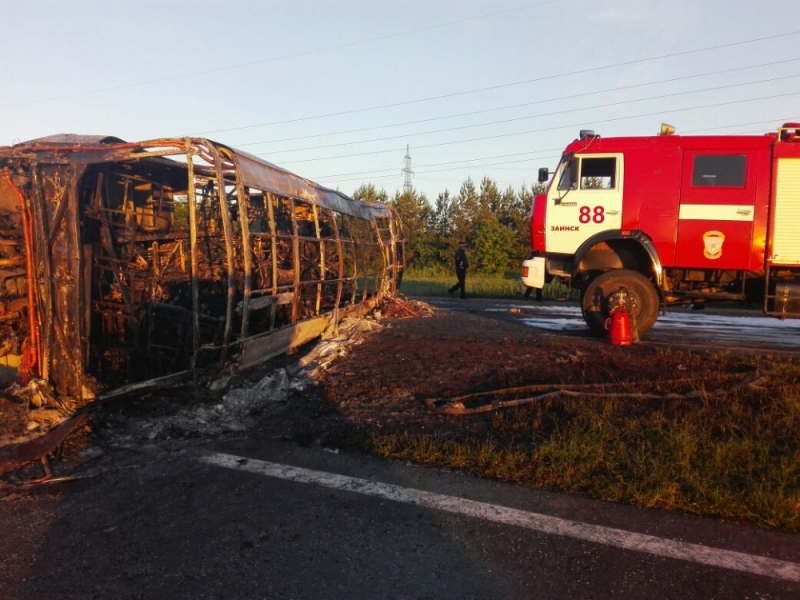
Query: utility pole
407	173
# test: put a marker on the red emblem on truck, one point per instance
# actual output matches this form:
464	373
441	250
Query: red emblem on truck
712	244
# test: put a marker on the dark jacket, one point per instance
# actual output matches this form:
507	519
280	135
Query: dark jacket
461	260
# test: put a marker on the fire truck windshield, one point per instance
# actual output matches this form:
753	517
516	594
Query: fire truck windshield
569	173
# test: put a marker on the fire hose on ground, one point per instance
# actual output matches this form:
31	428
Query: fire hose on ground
481	402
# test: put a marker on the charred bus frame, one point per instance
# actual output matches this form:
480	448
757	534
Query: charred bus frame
131	263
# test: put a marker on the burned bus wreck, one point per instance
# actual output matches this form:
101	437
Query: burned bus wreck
128	264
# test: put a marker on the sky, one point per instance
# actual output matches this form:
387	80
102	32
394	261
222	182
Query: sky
335	91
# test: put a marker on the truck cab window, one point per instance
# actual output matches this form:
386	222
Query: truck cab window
719	170
598	173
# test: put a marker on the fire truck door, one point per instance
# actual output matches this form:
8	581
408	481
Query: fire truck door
717	207
786	219
586	200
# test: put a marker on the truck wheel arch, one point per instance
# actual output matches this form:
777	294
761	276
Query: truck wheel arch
612	250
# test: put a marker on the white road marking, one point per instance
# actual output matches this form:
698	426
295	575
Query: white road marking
715	557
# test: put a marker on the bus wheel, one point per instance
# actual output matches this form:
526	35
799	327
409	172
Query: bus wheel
600	296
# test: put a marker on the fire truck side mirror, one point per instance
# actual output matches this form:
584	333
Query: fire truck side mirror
544	174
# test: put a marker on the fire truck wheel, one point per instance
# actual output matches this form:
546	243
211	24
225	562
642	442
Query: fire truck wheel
601	295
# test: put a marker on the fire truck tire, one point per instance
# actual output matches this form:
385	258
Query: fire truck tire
597	300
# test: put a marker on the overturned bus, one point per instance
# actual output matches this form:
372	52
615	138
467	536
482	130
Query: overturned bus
124	265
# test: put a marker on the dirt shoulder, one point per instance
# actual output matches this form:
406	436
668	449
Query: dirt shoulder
382	383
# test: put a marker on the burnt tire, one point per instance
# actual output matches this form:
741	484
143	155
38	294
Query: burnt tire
599	298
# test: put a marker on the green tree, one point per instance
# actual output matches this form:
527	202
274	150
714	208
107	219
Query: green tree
490	199
442	224
465	214
367	192
494	246
495	223
416	217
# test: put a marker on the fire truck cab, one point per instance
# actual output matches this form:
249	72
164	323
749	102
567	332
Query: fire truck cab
671	219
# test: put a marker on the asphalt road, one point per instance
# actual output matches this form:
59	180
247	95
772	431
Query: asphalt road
709	329
260	519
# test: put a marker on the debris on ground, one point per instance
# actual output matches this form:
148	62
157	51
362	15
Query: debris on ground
34	420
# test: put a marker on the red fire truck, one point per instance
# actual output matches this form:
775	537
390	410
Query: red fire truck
670	219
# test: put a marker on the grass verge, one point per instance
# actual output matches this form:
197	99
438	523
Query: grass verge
731	455
435	282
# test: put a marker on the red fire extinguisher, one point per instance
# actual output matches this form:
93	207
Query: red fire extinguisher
618	322
619	326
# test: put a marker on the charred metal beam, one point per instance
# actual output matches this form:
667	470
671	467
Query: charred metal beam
16	456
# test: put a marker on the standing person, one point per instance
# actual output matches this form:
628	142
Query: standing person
461	270
538	293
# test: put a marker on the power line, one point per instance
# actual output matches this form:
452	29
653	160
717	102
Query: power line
500	164
556	99
450	169
491	137
282	57
460	164
505	85
452	162
781	120
548	114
